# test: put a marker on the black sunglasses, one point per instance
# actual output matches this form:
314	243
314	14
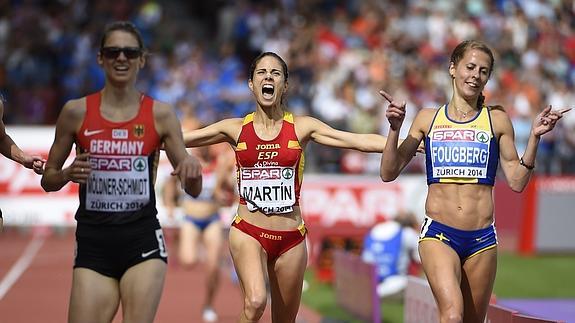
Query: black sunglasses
114	52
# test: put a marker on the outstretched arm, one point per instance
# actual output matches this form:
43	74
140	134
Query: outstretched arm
9	149
226	130
309	128
186	167
518	170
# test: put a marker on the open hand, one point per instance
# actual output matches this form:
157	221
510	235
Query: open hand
395	112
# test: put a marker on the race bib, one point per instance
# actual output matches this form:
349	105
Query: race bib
463	154
270	190
118	184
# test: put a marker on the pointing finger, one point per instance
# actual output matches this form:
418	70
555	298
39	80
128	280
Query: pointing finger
386	95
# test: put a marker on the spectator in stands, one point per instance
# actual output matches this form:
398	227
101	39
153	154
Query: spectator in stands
267	238
392	246
325	50
9	149
464	142
118	131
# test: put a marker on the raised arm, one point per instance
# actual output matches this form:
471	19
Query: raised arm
227	130
518	170
9	149
68	123
186	167
395	158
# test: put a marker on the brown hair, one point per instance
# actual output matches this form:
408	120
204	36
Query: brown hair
262	55
125	26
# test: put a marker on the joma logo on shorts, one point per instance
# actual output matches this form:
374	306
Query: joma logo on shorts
270	236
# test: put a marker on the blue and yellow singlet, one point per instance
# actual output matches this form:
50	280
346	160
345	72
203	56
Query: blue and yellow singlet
461	152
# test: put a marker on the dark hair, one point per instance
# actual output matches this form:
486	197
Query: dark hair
462	48
126	26
262	55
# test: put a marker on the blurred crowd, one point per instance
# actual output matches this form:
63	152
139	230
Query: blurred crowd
339	53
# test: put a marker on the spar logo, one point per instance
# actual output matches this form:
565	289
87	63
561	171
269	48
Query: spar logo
266	173
287	173
140	164
454	135
482	136
111	163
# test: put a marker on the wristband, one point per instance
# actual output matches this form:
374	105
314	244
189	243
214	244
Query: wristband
522	163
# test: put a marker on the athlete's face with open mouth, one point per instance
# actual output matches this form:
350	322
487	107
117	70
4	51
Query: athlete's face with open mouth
268	83
471	73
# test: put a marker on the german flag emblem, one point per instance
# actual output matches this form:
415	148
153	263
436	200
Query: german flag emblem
139	130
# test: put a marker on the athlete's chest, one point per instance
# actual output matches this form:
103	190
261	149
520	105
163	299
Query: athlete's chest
283	150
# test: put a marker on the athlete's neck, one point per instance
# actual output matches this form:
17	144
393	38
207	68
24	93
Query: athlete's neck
120	97
461	107
269	116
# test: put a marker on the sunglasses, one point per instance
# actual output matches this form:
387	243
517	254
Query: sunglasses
114	52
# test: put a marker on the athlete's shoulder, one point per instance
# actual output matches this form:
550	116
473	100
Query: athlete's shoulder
497	111
159	105
496	107
424	117
426	112
74	107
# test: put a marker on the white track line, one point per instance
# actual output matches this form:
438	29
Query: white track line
21	265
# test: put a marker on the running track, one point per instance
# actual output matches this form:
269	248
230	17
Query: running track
36	273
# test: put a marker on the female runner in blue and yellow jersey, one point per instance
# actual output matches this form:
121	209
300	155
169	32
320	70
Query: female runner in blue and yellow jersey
464	141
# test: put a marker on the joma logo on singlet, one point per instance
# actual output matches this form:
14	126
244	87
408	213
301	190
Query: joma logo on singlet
268	146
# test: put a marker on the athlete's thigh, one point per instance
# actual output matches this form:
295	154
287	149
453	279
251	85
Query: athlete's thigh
188	243
141	288
249	259
94	297
442	268
286	281
213	240
477	282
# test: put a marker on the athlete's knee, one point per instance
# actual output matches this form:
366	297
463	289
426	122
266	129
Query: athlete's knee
188	262
451	316
254	306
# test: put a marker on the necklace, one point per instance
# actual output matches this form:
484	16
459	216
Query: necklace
463	114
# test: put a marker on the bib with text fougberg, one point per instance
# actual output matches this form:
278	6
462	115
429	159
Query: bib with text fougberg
461	152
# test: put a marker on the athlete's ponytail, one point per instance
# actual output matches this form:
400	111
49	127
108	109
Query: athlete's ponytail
480	101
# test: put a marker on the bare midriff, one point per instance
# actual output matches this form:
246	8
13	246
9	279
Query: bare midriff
461	206
279	222
200	209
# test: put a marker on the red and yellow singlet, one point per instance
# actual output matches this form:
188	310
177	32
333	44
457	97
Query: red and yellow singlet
269	172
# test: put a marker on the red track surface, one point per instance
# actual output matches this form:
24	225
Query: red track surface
40	293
